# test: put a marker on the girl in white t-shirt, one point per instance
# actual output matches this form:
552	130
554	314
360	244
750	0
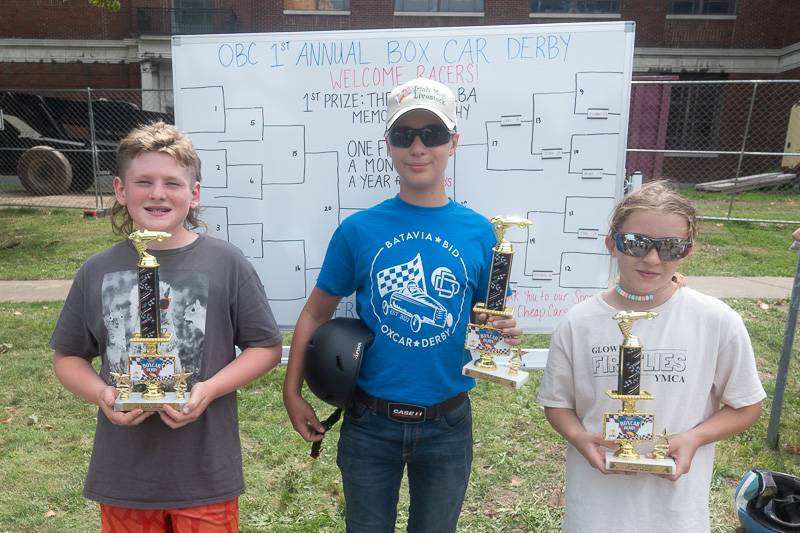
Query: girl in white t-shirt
697	361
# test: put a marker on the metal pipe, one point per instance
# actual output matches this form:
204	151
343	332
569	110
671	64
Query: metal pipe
783	364
762	220
707	82
744	143
690	153
98	201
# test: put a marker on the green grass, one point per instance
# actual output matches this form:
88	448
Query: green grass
731	248
518	471
779	204
742	249
49	243
53	243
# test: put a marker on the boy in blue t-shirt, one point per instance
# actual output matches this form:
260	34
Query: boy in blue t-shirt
417	263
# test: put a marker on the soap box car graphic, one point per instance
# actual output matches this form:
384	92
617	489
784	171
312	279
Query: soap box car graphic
416	307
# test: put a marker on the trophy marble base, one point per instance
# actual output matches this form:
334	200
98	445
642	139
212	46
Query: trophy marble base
135	401
642	464
499	375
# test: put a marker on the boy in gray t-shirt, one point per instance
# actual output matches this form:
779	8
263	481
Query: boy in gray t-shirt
178	466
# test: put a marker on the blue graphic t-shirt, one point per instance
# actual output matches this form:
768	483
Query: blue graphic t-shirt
416	271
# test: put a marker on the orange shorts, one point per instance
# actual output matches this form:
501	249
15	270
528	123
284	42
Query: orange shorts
215	518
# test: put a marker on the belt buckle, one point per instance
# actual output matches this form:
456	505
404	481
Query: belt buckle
407	413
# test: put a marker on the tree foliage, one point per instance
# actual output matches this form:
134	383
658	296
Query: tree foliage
111	5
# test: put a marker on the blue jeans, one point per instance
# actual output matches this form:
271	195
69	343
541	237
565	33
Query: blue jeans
374	450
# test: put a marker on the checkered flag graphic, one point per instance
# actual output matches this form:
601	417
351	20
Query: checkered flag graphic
397	277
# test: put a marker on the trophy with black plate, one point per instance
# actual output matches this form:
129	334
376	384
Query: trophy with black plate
150	372
484	339
628	426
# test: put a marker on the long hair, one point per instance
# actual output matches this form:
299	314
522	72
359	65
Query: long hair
155	137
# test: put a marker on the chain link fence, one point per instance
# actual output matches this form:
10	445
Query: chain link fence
57	148
724	142
719	138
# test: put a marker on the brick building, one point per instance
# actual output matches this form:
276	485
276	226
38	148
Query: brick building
68	44
48	44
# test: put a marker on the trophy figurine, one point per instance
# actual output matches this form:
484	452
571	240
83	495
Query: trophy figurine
151	371
662	447
628	426
485	339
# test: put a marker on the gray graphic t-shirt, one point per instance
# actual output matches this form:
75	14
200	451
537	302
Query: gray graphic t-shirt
211	300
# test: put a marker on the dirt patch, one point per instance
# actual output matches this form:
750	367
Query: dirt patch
78	201
12	194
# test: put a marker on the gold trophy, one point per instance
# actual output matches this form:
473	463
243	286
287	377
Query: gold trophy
485	339
150	370
629	426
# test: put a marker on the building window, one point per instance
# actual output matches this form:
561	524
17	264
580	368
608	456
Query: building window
694	117
444	6
193	4
574	6
192	16
701	7
317	5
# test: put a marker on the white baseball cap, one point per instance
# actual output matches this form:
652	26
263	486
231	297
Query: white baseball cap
422	93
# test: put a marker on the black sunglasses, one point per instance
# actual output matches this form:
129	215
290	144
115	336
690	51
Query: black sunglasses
668	248
402	137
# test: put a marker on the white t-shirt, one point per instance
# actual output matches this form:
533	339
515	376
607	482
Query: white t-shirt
697	356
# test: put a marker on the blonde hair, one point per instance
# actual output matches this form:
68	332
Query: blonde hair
657	196
155	137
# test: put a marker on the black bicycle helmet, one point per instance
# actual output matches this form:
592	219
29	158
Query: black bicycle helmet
333	359
768	502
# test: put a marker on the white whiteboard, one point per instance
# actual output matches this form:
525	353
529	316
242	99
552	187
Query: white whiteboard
289	127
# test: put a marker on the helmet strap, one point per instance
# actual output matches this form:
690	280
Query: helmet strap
328	423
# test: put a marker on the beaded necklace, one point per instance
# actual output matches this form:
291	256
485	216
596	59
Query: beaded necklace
634	297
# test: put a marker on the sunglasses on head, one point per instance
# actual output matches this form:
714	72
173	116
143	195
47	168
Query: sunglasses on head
668	248
402	137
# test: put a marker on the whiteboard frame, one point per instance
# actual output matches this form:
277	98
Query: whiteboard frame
627	27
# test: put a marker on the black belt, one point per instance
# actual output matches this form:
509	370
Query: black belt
409	412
